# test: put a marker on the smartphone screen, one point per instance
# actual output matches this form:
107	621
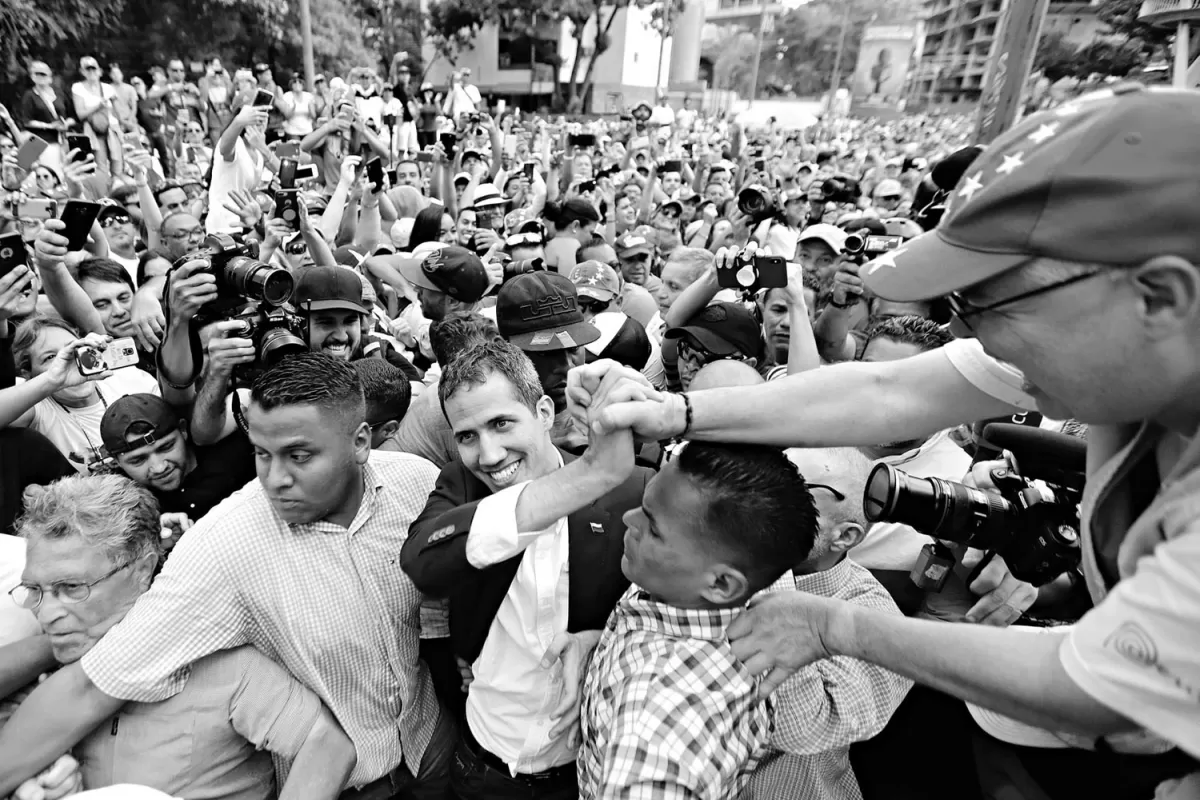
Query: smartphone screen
448	141
30	152
78	216
529	167
263	98
81	143
375	174
12	253
287	173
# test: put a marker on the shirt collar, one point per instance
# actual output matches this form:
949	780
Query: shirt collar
643	612
826	582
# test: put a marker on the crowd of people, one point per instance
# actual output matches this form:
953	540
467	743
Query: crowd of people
367	439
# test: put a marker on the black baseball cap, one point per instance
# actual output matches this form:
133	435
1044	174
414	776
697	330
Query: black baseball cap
324	288
722	328
451	270
130	410
540	311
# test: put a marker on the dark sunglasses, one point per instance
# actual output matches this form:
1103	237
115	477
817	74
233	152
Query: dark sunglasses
593	306
889	197
115	219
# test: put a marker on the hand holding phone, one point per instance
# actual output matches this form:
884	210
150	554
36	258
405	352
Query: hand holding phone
78	217
119	353
375	175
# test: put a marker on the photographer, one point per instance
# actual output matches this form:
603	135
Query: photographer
780	234
1118	351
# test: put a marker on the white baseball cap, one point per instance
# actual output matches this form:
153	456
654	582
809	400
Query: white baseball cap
831	235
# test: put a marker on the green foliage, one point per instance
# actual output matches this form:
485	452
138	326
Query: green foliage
1117	59
40	28
1121	17
1056	57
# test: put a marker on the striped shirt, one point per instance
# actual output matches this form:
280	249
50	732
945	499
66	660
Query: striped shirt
330	604
823	708
668	712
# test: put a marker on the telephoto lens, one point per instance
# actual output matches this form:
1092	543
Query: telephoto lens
255	280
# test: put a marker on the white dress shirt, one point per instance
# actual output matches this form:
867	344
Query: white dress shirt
511	699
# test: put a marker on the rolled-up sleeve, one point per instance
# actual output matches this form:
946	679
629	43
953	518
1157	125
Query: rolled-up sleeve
494	537
191	611
270	708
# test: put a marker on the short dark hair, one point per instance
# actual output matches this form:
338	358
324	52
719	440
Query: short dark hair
911	329
759	508
478	362
315	379
164	187
597	240
457	331
145	258
385	388
103	270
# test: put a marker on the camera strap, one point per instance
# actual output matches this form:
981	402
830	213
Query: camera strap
239	415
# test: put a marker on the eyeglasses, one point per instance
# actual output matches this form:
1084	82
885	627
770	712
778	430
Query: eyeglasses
40	74
193	233
836	494
114	219
889	197
28	595
708	356
90	68
963	308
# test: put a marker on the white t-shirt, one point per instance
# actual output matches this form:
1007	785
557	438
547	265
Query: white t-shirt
778	239
301	122
130	265
241	174
891	545
76	431
16	623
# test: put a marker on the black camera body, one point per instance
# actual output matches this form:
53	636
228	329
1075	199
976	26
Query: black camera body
1033	526
757	202
840	189
255	293
859	248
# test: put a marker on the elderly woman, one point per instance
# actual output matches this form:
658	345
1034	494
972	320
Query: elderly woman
92	548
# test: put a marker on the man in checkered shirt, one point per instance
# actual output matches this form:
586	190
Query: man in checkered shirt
303	564
825	707
668	712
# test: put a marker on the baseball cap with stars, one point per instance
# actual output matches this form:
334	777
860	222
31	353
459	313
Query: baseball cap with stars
1109	178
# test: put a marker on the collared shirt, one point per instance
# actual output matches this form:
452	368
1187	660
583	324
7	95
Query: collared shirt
668	711
330	604
829	704
213	739
512	696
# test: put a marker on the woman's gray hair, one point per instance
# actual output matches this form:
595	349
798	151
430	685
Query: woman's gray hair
696	259
107	511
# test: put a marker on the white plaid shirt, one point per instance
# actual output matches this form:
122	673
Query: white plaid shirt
668	712
328	603
828	705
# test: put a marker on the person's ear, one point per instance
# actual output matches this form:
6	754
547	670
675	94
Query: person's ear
753	362
725	585
846	536
362	443
1168	288
143	570
389	428
545	411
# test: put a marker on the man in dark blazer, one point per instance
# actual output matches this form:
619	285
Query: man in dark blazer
531	582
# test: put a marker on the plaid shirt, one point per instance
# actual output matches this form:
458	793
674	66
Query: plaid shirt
668	712
827	705
330	604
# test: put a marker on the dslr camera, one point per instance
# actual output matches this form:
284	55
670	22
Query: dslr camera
757	202
859	248
840	189
255	293
1034	526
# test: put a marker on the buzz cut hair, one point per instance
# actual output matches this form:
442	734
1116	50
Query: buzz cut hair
313	379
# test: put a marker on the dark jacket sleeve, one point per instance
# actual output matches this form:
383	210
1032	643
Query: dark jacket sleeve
434	555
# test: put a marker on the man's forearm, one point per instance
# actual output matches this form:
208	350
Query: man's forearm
910	398
1015	671
69	299
21	662
323	765
208	415
17	400
53	719
227	144
562	492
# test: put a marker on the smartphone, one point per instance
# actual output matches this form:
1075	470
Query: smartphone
448	140
287	207
389	120
375	174
391	176
306	172
287	173
528	168
36	208
264	98
288	150
424	157
81	143
12	253
752	273
78	216
586	187
673	165
760	164
689	150
30	152
118	354
581	140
